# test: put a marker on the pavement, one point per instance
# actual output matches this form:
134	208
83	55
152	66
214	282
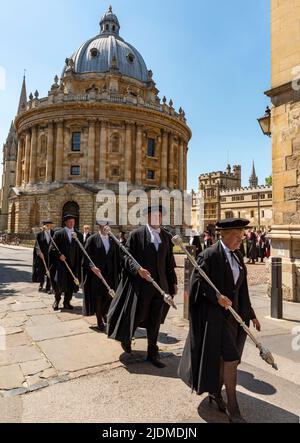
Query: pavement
54	368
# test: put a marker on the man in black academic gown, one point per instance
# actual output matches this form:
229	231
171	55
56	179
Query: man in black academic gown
105	255
41	257
196	241
68	252
215	343
138	303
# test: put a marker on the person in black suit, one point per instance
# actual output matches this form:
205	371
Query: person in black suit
196	241
215	343
137	302
69	252
105	255
41	254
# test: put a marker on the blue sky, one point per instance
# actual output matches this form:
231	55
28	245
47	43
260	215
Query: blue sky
211	57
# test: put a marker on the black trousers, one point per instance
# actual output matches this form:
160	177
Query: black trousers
149	315
68	296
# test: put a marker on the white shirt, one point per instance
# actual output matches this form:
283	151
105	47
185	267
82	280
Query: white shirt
233	263
47	235
69	232
106	243
85	236
155	236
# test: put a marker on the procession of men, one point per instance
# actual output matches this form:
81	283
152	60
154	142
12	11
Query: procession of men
118	288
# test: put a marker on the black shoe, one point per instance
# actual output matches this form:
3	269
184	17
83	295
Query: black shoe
56	306
236	418
41	289
68	307
50	292
219	401
156	362
127	348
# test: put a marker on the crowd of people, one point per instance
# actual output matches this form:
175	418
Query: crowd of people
120	285
255	246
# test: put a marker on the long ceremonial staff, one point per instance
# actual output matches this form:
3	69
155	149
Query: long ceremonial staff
100	276
76	281
167	298
264	352
44	262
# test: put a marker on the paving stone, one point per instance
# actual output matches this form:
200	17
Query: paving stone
18	307
81	352
14	392
34	367
16	340
11	410
62	329
20	354
14	321
42	320
48	373
11	377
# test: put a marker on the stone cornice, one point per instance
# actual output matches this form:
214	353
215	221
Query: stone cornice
283	94
105	111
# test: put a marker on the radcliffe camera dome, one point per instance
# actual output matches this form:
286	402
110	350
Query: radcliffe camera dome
108	50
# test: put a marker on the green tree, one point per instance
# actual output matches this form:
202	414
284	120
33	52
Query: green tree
269	181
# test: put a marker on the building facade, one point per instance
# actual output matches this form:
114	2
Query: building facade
285	129
211	185
221	196
102	123
254	204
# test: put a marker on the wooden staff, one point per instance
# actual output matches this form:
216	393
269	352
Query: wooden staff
167	298
76	281
264	352
100	276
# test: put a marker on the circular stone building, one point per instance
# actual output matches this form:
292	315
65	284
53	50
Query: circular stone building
102	123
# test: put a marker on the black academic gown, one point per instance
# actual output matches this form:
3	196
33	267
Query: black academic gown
71	250
110	267
41	245
200	364
89	235
129	309
197	242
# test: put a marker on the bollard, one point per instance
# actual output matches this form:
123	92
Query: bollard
276	290
188	269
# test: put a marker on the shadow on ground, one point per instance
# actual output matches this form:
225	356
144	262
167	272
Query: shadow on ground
252	409
137	364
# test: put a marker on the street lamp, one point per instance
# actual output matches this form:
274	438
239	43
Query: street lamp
265	122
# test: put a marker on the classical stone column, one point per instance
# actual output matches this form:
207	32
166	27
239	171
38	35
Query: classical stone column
59	151
164	159
91	151
33	156
103	151
19	164
181	165
50	149
128	153
185	153
138	156
171	162
27	156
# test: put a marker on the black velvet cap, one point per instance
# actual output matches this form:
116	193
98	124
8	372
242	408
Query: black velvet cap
232	223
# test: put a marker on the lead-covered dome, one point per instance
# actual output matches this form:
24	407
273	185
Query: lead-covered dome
108	51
